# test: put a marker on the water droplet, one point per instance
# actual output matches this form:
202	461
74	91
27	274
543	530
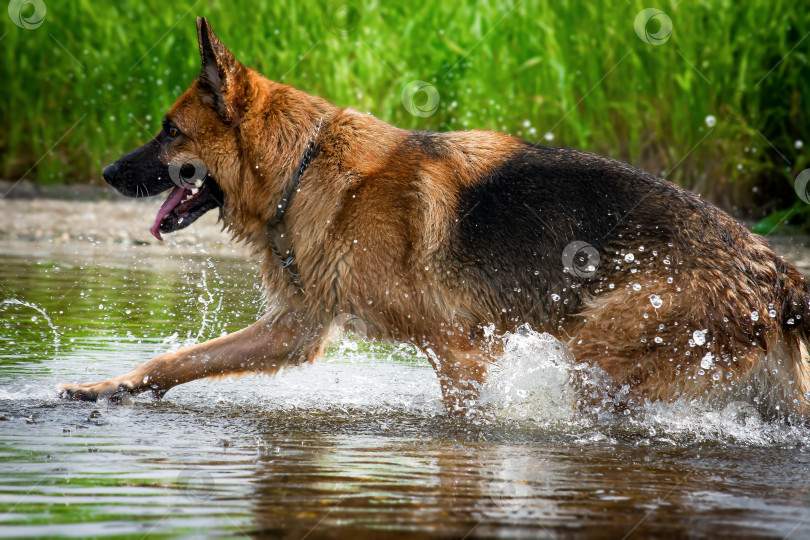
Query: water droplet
555	297
636	287
711	121
707	362
700	337
772	314
754	316
656	301
629	257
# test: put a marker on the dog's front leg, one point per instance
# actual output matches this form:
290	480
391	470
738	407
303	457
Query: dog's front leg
263	347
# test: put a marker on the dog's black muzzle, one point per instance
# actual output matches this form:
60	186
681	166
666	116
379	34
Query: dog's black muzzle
140	173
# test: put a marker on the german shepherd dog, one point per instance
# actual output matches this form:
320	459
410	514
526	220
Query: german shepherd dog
431	238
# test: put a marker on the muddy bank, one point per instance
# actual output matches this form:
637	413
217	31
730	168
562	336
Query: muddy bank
51	223
25	189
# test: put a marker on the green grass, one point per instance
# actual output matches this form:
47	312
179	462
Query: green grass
95	79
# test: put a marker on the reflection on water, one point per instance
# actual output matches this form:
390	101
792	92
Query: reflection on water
357	445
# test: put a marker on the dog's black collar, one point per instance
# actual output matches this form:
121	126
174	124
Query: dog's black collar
288	257
292	187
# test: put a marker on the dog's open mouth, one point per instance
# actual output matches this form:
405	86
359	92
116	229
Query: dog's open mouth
185	205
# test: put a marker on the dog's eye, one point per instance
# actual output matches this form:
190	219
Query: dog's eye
173	132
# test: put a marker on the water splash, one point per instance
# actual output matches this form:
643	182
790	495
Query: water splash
537	379
205	300
208	300
15	302
537	382
532	381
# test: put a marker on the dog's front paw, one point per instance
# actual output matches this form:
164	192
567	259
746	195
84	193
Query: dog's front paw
106	391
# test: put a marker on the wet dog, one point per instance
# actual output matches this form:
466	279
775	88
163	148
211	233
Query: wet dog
428	238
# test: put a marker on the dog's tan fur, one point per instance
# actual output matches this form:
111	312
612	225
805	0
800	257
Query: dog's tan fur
373	223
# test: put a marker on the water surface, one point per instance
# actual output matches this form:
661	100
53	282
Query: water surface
357	445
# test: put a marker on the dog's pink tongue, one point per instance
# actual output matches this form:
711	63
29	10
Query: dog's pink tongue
173	200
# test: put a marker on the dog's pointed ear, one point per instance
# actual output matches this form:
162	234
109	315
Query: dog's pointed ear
221	71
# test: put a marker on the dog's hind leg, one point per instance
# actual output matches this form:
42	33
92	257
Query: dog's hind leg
461	364
664	342
263	347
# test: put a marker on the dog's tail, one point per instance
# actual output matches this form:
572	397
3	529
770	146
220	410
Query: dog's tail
793	303
793	294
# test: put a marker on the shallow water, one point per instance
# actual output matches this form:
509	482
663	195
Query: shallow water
357	445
